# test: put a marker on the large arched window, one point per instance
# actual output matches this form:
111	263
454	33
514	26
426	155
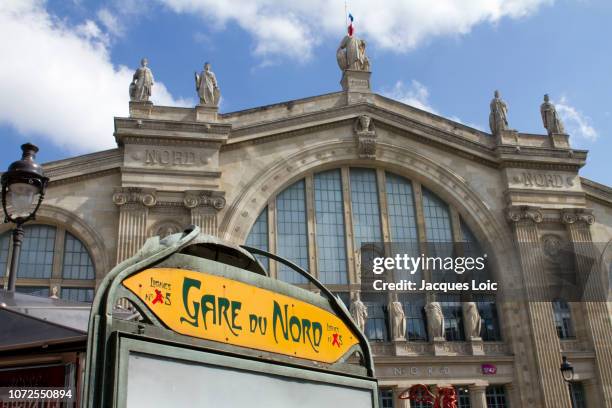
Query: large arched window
51	257
320	222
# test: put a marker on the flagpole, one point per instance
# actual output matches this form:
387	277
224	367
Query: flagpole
345	13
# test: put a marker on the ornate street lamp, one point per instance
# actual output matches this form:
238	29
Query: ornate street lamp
567	370
23	190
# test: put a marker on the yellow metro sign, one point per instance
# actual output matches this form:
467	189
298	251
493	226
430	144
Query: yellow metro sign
215	308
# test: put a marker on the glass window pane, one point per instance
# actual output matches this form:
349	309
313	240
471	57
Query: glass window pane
463	397
490	322
376	323
366	210
77	294
292	236
400	201
5	240
437	218
329	212
42	291
577	393
496	397
258	237
453	317
563	319
77	262
36	258
414	309
385	398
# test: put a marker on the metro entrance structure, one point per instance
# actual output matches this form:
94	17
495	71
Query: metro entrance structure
210	328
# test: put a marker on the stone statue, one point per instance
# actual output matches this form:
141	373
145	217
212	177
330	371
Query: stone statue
435	320
498	118
473	322
206	85
359	312
142	82
397	317
550	118
351	54
54	292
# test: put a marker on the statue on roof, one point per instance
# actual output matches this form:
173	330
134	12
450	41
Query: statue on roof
142	82
498	118
207	87
351	53
550	117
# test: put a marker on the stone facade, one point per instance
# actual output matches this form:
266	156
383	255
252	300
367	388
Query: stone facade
177	166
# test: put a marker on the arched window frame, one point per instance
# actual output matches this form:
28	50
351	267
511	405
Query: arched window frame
455	222
79	289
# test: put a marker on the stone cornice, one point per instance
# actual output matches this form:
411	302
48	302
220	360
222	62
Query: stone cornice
81	166
597	191
307	123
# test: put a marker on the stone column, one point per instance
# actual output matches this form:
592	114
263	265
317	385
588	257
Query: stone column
591	393
134	203
204	206
512	396
400	403
478	396
545	342
597	318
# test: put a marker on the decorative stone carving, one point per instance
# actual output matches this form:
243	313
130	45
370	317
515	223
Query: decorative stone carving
365	135
142	82
206	198
397	317
135	195
473	321
574	216
552	245
359	312
498	118
54	292
517	214
165	228
550	118
351	54
207	87
435	320
149	200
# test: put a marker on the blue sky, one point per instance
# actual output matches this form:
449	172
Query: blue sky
68	64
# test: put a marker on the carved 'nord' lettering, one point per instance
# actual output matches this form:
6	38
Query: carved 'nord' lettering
154	157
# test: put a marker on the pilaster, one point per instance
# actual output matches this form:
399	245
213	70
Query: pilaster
590	277
134	204
545	342
204	206
478	395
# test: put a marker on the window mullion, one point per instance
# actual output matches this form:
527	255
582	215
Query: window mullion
273	268
311	227
348	227
58	258
421	230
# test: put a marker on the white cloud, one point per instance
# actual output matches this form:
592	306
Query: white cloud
293	28
576	123
416	94
111	22
58	81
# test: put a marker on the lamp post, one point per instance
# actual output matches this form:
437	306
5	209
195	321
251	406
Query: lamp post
567	371
21	184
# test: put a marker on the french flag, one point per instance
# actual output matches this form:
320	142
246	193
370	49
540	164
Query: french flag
351	29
